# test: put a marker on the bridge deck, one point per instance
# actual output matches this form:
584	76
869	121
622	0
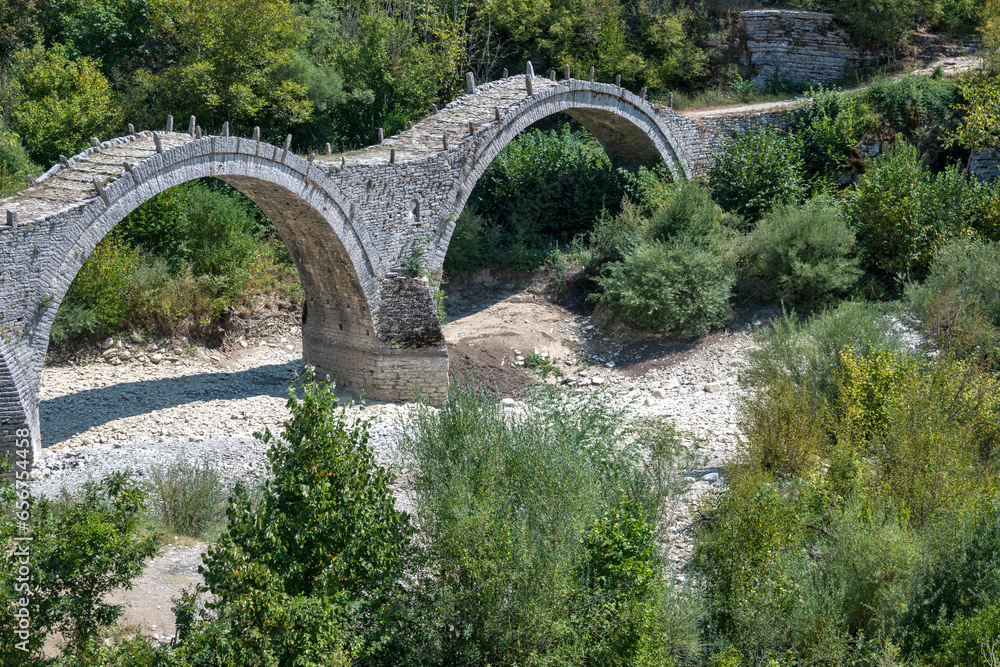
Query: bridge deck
426	137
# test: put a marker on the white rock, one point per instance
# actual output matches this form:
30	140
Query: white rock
508	402
659	393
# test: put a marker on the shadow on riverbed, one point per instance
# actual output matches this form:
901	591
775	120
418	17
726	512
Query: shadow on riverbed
65	416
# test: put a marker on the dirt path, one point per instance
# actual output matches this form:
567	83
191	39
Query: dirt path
952	67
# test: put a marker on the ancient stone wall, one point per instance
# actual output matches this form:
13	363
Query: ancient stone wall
803	46
986	164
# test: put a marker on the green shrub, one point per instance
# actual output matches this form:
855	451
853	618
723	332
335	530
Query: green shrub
958	306
322	549
102	296
215	230
186	498
15	165
930	432
475	243
903	213
829	126
785	427
808	350
676	286
686	211
801	255
749	588
972	640
612	237
757	171
82	549
959	575
911	103
545	187
876	26
540	533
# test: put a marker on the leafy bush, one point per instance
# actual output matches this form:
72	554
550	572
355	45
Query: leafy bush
808	350
757	171
15	165
540	533
829	126
59	103
186	498
801	255
102	296
927	430
676	286
958	306
82	549
903	213
612	238
784	427
475	243
749	590
686	211
322	549
543	188
911	103
876	26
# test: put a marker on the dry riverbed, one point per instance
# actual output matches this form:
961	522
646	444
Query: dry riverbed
138	405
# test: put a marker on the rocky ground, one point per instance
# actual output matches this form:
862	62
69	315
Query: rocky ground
140	404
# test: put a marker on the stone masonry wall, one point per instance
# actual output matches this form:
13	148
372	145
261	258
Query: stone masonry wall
804	46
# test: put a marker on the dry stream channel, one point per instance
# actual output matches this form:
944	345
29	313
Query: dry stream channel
137	405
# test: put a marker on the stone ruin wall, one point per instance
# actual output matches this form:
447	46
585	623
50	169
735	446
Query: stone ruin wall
799	45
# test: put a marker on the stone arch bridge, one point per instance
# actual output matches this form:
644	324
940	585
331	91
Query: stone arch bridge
351	223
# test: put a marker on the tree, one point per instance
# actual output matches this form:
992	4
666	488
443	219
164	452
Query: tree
323	545
18	27
84	549
57	104
232	56
979	128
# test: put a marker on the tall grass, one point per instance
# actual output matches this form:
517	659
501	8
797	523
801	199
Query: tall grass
187	498
541	532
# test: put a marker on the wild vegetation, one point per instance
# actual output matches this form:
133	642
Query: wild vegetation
860	524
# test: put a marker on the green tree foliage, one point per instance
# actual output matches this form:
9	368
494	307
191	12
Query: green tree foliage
676	287
540	535
118	35
757	171
231	56
57	104
802	255
15	165
550	184
18	27
83	549
393	71
979	127
829	126
902	212
876	25
913	105
323	546
958	305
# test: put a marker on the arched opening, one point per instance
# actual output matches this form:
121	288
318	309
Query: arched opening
546	188
151	390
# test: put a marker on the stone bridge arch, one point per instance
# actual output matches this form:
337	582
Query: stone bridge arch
52	232
631	130
366	228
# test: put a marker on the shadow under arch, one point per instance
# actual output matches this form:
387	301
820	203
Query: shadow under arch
330	256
